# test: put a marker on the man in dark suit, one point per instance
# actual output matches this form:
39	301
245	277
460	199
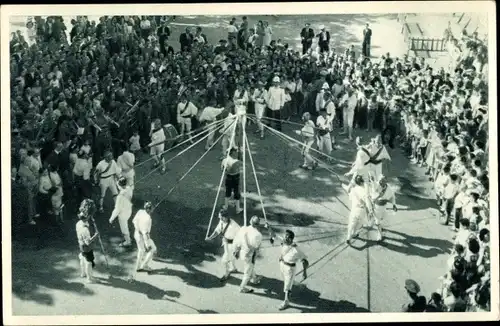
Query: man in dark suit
306	35
367	38
186	40
323	40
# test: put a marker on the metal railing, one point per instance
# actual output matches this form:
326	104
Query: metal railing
428	44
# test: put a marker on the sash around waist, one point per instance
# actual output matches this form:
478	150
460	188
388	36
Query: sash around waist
288	264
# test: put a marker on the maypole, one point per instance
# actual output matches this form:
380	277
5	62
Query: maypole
244	175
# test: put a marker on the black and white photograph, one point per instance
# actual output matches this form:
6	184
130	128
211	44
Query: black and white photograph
291	162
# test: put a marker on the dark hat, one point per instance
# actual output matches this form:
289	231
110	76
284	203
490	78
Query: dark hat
412	286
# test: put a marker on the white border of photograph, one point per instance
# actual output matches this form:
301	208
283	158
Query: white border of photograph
309	8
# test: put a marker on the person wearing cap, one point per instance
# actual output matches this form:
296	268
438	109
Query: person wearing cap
323	40
417	303
246	245
126	163
105	175
275	102
320	97
382	194
240	100
146	247
306	36
157	144
85	240
259	97
123	209
227	229
290	256
378	155
361	204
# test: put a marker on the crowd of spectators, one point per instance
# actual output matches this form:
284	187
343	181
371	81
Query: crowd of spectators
67	95
447	134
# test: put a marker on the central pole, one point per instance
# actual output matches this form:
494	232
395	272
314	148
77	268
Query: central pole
244	140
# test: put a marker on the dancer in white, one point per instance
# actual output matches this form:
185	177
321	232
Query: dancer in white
233	169
361	204
359	167
240	100
209	116
378	154
290	256
307	133
157	144
246	246
185	111
227	229
126	163
227	130
324	123
146	247
105	175
382	195
259	98
123	210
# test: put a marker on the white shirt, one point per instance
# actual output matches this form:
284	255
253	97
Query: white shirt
308	129
463	237
103	165
231	231
142	222
240	101
351	101
82	168
259	97
158	137
231	164
388	196
126	161
184	111
358	197
249	240
123	203
323	123
275	98
232	29
291	254
83	233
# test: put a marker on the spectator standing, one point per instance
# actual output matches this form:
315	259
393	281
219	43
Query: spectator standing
323	40
306	36
367	39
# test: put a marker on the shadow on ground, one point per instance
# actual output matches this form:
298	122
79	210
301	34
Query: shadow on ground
40	259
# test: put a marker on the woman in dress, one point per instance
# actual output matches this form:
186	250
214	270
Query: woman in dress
268	34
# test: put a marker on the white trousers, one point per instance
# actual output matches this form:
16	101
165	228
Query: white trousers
143	257
228	259
248	271
108	183
355	217
123	219
306	151
129	176
325	144
288	273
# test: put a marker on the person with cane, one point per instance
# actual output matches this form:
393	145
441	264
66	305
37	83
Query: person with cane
85	240
289	257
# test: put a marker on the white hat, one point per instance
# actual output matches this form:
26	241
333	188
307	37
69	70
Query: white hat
321	26
276	79
325	86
